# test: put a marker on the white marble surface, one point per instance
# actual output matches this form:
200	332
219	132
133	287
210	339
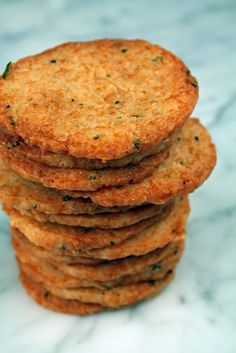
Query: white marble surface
197	313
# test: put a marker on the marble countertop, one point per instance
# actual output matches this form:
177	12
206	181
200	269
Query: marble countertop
197	313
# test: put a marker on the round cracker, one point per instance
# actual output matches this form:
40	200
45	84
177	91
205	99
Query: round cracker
77	113
103	275
170	228
73	239
192	159
27	195
104	221
49	301
65	161
45	273
114	297
80	179
49	255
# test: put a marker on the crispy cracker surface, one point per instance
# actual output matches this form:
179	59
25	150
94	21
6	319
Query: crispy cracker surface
103	99
192	159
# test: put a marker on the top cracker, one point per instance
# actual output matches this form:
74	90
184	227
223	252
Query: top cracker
102	99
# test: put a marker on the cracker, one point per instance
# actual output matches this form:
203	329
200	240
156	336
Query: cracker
44	298
65	161
97	99
192	159
104	221
170	228
73	239
51	256
80	179
30	196
112	298
156	262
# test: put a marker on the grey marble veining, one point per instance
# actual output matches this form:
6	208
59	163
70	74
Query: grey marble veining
197	313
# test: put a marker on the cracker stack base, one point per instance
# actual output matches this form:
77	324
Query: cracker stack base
98	154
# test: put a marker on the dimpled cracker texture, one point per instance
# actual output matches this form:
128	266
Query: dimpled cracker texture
98	154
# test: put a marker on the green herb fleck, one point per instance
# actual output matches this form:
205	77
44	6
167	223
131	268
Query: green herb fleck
62	246
136	116
152	282
124	50
96	137
6	71
137	144
158	59
92	177
194	83
53	61
34	206
196	138
67	198
119	117
156	267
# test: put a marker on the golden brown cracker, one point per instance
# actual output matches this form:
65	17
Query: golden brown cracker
110	98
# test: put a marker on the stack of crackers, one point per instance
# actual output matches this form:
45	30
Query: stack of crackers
98	155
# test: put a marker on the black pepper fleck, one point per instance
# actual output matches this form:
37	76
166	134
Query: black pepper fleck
12	121
46	294
15	144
